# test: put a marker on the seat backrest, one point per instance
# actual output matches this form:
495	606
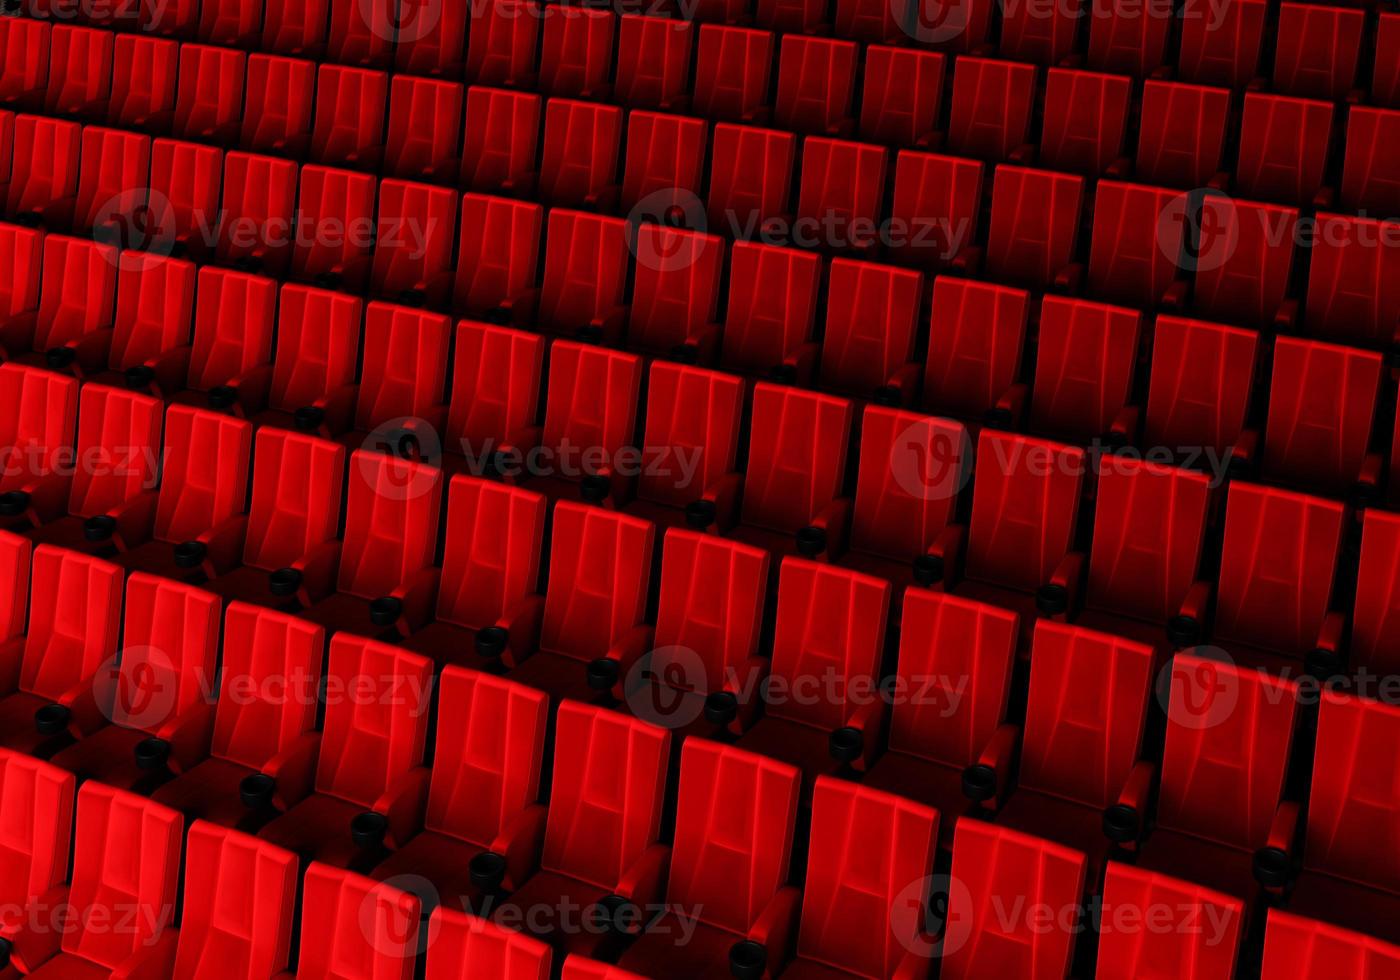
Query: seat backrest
278	104
750	177
585	269
40	412
1086	356
318	345
675	294
576	51
1243	256
239	900
45	154
348	126
204	472
1129	39
831	626
1221	46
295	29
1297	947
797	455
1229	733
425	127
369	742
1317	50
579	154
605	802
209	99
599	574
1086	115
501	141
155	308
1322	404
466	946
1188	407
1039	34
772	305
79	291
842	190
170	651
186	182
869	851
991	112
816	77
912	469
298	484
495	385
1351	812
405	364
36	826
74	620
356	926
1198	935
901	93
998	867
977	332
16	557
664	165
22	250
491	557
710	611
1025	507
1136	246
498	254
391	523
1278	561
490	742
591	402
1085	712
1375	622
1284	143
121	431
24	71
1370	174
416	227
259	199
653	60
692	432
336	211
1149	531
871	324
734	829
1353	282
1034	224
272	666
936	205
126	868
501	46
112	179
732	70
1183	136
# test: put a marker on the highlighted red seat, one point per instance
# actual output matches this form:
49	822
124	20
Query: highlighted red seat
1191	411
349	922
1284	143
1034	226
585	276
592	631
830	625
991	113
793	486
343	201
385	582
733	845
75	605
290	548
1354	283
901	95
277	115
619	816
934	738
936	204
976	335
871	328
653	62
488	603
239	899
193	527
482	815
1086	115
732	69
370	783
1318	49
126	869
37	843
1199	934
771	311
750	178
348	129
258	204
156	699
576	52
209	100
500	143
1080	781
1086	358
579	155
425	128
497	257
1182	138
313	373
1229	733
998	868
816	81
1296	947
263	749
495	394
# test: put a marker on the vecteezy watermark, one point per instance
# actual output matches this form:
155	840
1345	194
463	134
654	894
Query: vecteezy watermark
122	462
146	920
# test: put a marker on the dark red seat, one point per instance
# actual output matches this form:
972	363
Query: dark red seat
576	52
500	142
675	292
816	81
1192	411
1353	283
24	71
37	843
497	258
1086	116
72	328
871	328
750	178
186	182
209	94
80	72
415	229
1318	50
732	69
231	23
44	173
1135	251
425	128
40	411
348	128
1385	82
1222	45
336	207
977	332
495	390
1040	34
1375	642
155	314
1297	947
259	200
432	37
1087	354
1243	257
991	113
1182	138
112	181
935	209
665	163
401	402
231	351
501	46
901	95
1284	143
313	372
771	314
295	29
579	154
363	36
1129	39
1370	175
1035	220
653	61
584	287
1199	935
370	760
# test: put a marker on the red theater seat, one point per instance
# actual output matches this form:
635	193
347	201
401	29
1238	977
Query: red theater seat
80	72
155	313
1354	282
1318	50
1385	83
37	841
675	292
1135	250
1375	641
1297	947
112	181
871	328
231	23
1085	362
496	386
400	406
585	275
466	946
771	315
72	328
198	521
500	142
24	71
1042	34
1182	138
664	166
40	411
935	209
1000	869
816	79
370	783
352	923
425	126
1229	732
255	218
1129	38
348	128
501	46
313	373
44	173
1086	116
976	335
653	61
22	250
1243	256
75	605
619	817
830	625
1284	143
992	103
1221	45
482	816
488	602
901	95
592	631
793	498
263	751
579	154
1191	411
1080	781
941	726
432	38
1198	932
1035	218
1370	174
498	256
386	580
157	699
239	899
751	170
186	179
732	70
576	52
336	213
416	226
209	94
733	844
295	28
841	194
231	352
126	868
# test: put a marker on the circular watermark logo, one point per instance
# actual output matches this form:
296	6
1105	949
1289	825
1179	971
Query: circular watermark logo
657	226
931	22
385	925
403	22
138	220
661	687
408	440
141	691
1198	688
1199	230
932	916
928	462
